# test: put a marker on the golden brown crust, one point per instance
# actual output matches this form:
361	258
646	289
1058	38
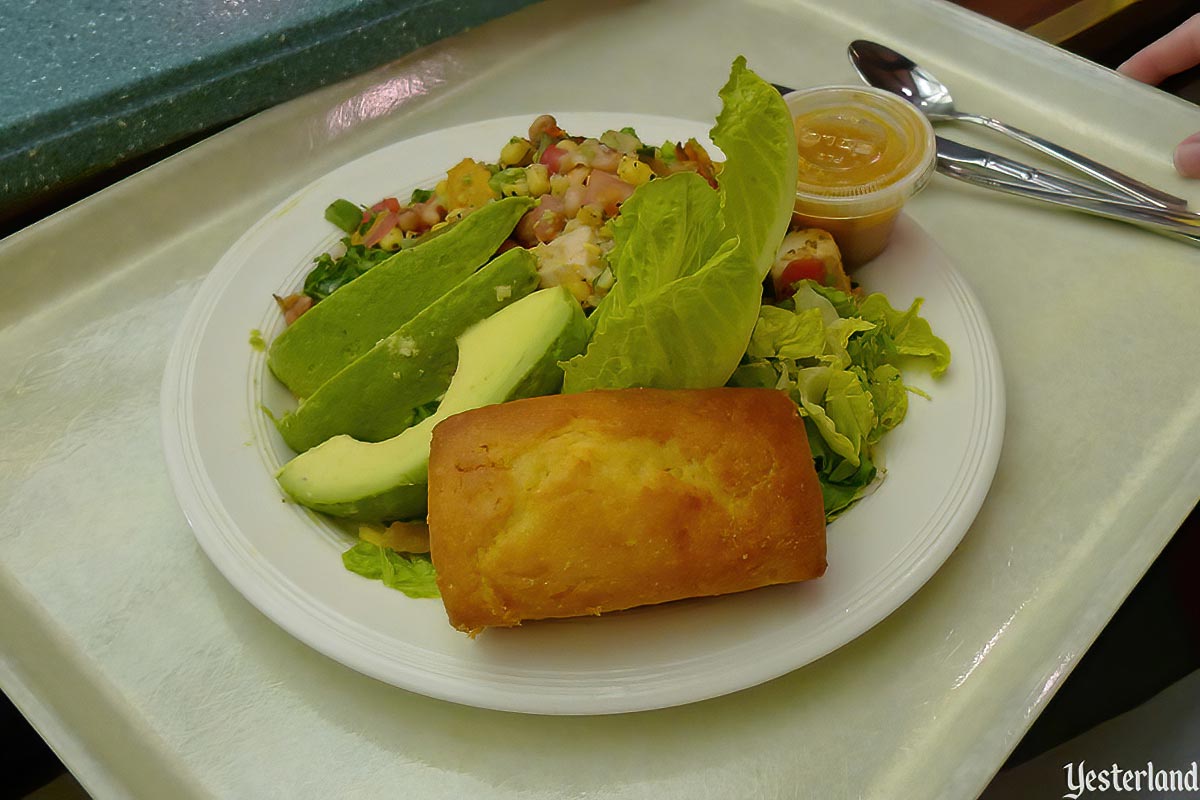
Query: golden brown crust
577	504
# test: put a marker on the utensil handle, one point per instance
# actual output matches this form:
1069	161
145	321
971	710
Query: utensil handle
1166	223
1129	186
1049	180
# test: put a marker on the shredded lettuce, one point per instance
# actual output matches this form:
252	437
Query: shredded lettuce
688	259
839	359
785	334
331	274
412	574
889	396
910	332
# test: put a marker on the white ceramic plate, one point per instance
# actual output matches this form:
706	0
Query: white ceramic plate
222	452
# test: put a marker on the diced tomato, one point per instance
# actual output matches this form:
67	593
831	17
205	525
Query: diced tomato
552	156
812	269
381	227
542	223
549	225
607	191
293	306
389	203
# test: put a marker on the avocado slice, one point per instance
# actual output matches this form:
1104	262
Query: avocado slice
512	354
377	395
350	321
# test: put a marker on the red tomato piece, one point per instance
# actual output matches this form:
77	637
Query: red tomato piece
381	227
803	269
389	203
606	190
552	156
812	269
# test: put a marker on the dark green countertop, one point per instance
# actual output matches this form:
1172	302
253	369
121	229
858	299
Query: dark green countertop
90	84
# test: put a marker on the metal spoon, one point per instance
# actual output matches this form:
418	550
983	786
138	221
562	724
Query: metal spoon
886	69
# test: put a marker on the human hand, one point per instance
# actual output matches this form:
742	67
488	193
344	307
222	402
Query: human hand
1179	50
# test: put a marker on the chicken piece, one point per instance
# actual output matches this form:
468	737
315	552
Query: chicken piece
573	260
808	253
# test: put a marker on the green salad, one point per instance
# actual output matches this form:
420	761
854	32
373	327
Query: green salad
674	299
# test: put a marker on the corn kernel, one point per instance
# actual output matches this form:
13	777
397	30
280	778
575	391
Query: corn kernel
391	241
633	171
537	176
590	215
515	153
578	288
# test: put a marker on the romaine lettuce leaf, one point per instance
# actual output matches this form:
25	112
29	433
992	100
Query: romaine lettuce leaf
689	262
756	133
680	336
664	232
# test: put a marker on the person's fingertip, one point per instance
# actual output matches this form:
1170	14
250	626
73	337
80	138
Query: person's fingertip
1187	157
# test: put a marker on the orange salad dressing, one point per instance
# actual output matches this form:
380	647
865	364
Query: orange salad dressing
860	156
847	149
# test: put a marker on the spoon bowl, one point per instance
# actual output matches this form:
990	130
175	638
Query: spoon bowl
884	68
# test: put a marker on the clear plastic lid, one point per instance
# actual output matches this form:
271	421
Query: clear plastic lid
861	150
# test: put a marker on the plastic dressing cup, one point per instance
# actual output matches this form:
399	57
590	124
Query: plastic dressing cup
863	153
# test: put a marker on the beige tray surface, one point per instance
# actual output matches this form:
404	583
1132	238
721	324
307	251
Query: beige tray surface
153	678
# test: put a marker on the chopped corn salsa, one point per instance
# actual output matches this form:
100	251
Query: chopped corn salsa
579	183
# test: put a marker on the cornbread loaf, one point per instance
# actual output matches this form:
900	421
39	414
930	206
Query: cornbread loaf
578	504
